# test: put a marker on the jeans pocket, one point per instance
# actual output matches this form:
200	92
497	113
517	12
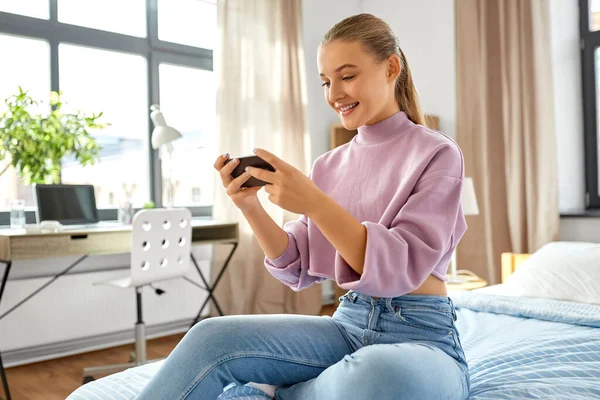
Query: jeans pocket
432	320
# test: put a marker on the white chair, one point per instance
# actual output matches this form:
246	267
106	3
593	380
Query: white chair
160	250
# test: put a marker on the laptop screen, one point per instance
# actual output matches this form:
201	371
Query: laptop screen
67	204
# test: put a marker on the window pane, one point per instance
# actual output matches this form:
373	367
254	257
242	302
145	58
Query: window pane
595	15
126	17
115	83
30	8
189	22
25	63
192	111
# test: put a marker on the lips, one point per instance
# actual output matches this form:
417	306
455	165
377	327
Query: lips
348	109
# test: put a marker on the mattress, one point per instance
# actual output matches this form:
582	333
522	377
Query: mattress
516	347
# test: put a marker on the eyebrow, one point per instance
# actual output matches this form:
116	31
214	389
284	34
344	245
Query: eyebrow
341	67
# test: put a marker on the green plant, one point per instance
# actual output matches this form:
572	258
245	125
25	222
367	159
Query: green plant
36	143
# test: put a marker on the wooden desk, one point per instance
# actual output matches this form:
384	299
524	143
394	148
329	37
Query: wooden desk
19	244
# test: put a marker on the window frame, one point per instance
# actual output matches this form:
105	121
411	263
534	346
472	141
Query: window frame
590	40
151	47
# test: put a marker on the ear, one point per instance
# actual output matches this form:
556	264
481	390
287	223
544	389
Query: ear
393	68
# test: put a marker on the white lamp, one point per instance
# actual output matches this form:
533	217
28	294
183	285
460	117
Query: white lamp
469	205
162	136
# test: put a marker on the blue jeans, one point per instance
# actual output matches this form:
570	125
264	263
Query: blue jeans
405	347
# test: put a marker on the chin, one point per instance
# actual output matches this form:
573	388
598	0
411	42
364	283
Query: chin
352	123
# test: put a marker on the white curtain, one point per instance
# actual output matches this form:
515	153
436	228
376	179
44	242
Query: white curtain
261	102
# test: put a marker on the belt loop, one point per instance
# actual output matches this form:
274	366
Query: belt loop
388	304
352	295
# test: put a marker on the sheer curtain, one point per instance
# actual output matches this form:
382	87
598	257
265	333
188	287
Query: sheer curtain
505	128
261	102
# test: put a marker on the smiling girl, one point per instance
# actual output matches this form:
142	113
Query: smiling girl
381	216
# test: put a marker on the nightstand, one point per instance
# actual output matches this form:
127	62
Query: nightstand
473	282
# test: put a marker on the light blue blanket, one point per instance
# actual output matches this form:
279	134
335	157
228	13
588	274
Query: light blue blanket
529	348
517	348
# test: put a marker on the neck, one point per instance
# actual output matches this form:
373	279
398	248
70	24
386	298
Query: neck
387	112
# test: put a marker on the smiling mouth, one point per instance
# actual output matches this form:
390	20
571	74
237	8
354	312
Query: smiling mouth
348	107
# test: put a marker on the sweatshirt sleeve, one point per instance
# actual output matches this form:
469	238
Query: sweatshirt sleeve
291	268
400	257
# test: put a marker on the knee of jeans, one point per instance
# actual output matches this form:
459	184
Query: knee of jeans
375	371
208	335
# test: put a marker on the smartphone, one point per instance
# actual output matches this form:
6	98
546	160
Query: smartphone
250	161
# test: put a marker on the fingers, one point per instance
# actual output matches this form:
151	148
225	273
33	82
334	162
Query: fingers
226	171
272	159
236	184
262	174
221	161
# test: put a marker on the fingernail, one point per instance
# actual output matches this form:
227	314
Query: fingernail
254	151
247	173
226	155
235	160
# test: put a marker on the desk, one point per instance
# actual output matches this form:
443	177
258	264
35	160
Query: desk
19	244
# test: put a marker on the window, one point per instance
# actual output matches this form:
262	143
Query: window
30	8
193	113
119	83
126	17
189	22
119	57
595	15
590	58
27	63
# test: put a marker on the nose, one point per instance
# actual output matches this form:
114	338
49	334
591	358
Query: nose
335	93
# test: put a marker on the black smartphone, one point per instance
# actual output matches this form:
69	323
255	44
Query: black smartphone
250	161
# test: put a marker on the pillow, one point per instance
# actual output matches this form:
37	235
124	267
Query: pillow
559	270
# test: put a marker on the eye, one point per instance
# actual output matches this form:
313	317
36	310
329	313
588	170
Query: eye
347	78
325	84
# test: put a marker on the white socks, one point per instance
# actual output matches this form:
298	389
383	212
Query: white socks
268	389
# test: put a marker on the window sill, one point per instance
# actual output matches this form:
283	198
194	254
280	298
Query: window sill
590	213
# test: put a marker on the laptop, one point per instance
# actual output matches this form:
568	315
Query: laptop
71	205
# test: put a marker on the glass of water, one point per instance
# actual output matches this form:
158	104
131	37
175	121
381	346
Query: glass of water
17	213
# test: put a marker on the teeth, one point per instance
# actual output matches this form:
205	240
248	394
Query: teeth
346	108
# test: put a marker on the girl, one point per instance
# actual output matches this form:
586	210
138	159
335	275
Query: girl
381	215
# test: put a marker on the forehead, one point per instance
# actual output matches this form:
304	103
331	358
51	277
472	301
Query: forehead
337	53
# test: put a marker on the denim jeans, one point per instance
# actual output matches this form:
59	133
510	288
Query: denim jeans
405	347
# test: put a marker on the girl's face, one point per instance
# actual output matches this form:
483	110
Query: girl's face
356	87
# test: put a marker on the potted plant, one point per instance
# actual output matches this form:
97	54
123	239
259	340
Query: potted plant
36	143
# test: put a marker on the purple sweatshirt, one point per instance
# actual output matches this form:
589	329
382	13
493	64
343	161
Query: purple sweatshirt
403	182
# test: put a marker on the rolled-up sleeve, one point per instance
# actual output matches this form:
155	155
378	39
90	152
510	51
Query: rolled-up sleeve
291	268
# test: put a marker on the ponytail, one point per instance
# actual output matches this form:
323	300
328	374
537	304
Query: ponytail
406	93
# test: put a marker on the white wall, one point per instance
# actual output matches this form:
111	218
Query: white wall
319	16
73	308
425	29
568	108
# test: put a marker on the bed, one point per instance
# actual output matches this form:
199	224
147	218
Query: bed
518	346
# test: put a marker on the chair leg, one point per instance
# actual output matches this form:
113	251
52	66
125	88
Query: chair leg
140	346
140	330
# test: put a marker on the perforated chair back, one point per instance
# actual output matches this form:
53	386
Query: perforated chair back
160	245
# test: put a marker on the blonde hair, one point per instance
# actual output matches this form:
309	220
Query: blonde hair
379	40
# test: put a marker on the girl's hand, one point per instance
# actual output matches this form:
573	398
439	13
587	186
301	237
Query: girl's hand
243	198
289	188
